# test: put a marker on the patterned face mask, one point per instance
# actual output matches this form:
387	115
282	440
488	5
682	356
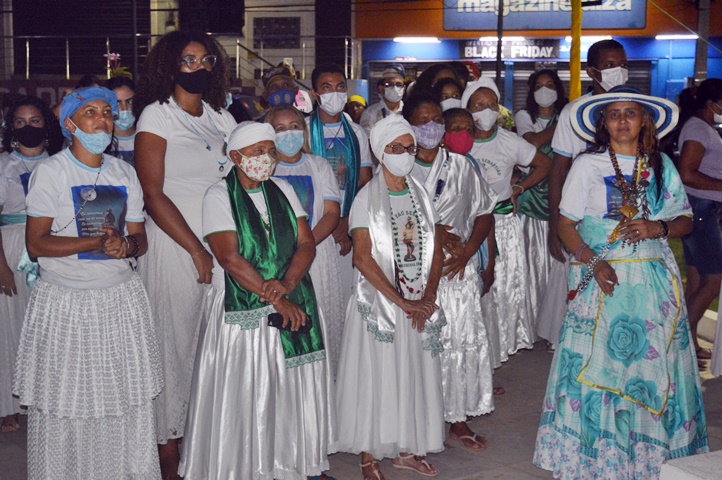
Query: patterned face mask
258	168
429	134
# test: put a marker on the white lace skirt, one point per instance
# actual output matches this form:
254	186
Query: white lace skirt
466	368
508	302
548	287
326	277
176	298
388	395
88	368
250	417
12	313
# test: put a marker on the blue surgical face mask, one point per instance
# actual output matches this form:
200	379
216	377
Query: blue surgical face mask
289	142
125	120
281	97
229	100
95	143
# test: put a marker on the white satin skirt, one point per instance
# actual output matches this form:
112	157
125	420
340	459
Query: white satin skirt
508	303
250	417
12	313
88	368
466	368
388	395
548	286
326	275
176	298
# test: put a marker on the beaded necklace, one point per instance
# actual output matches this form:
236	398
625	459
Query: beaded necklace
221	165
404	282
633	195
87	196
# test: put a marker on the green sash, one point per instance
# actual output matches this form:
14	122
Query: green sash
271	256
504	207
534	202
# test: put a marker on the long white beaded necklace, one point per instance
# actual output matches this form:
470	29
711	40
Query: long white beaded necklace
88	197
404	280
221	165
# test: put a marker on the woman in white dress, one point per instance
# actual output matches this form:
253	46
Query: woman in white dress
25	141
498	151
313	180
261	406
388	391
87	365
464	203
536	124
180	152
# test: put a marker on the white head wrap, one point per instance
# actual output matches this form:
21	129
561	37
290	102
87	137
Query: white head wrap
248	133
387	130
483	82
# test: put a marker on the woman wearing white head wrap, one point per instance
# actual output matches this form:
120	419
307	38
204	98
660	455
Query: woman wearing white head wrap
389	394
262	341
507	308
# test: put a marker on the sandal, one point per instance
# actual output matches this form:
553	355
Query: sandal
498	391
376	469
474	438
429	472
703	353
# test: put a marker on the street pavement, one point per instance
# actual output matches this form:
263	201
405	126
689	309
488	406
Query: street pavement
510	431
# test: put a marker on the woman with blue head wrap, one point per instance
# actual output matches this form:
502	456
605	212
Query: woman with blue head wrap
87	365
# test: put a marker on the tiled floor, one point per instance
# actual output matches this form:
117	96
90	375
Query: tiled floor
510	430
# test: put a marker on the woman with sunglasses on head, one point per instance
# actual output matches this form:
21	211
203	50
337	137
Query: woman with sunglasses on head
623	394
87	364
388	388
25	142
180	145
536	124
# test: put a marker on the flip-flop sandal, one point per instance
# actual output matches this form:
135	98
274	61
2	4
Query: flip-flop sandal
417	468
376	469
477	439
498	391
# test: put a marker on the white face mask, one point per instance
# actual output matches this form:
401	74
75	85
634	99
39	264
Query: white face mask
613	77
717	117
400	164
485	119
333	103
393	94
545	96
259	168
450	103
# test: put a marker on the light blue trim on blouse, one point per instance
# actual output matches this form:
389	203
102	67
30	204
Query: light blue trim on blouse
569	216
135	220
31	159
333	199
104	166
297	164
561	152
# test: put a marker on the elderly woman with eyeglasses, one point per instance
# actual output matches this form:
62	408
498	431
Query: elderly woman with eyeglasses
180	151
389	397
498	151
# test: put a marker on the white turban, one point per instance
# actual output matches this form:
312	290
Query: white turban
248	133
471	87
386	131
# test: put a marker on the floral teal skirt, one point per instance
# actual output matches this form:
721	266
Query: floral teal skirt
623	394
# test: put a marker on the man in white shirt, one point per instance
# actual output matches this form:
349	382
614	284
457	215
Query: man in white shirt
607	66
391	88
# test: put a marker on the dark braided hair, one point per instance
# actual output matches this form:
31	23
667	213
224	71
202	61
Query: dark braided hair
163	63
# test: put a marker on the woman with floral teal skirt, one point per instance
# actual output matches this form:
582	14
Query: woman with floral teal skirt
623	395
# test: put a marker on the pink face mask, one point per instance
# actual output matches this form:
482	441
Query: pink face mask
459	142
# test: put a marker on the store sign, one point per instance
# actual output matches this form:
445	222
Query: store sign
533	48
542	14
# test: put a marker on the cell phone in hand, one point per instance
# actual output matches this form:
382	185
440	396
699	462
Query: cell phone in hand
276	320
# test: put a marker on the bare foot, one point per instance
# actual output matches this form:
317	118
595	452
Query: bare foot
169	459
10	424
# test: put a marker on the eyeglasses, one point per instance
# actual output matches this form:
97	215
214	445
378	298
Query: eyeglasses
192	62
480	106
397	149
395	84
